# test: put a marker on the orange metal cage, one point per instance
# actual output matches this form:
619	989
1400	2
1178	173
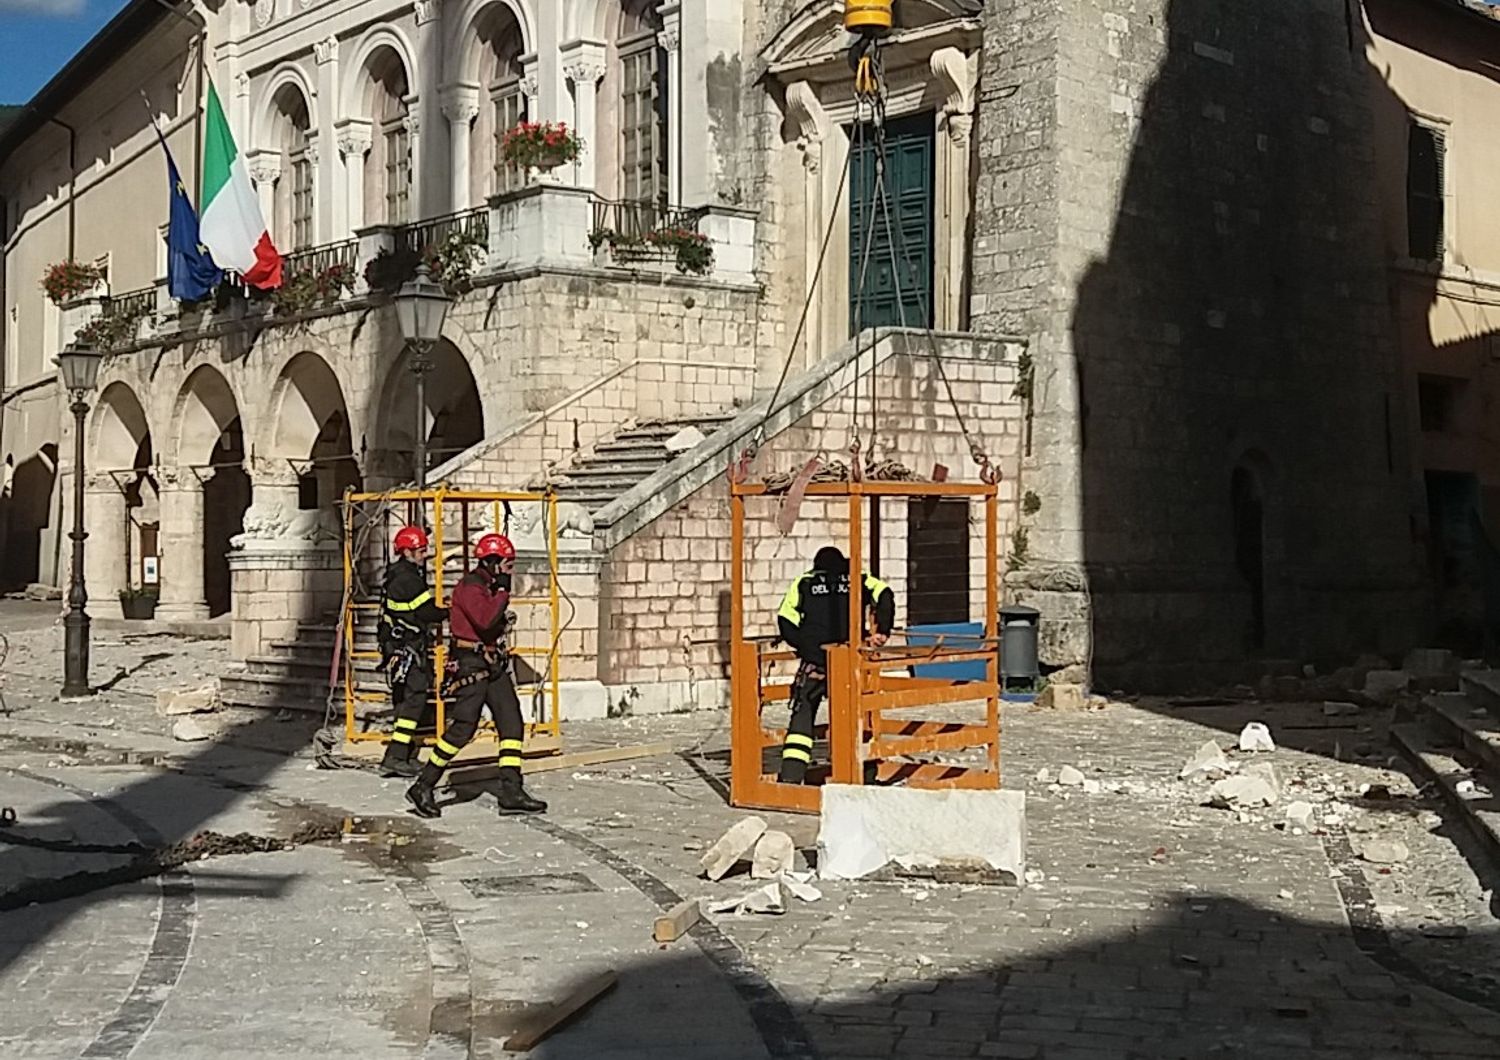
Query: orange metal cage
455	519
866	684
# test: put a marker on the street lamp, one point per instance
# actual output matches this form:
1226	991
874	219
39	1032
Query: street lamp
78	368
421	307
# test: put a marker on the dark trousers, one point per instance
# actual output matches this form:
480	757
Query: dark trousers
409	702
475	684
808	689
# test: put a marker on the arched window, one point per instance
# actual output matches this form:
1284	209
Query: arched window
642	105
502	103
293	223
388	177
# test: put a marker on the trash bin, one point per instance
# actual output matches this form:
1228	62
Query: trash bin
1018	653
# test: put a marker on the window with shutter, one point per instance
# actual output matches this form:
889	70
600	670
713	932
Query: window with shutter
509	110
643	155
302	199
1425	147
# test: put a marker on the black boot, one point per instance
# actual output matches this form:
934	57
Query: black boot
514	798
423	799
793	771
400	760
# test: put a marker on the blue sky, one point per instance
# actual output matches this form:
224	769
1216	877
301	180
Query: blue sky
37	37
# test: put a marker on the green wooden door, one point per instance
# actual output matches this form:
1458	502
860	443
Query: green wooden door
907	217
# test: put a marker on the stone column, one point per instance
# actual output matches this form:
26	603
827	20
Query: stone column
957	74
583	62
460	107
181	539
265	170
104	555
806	115
430	190
355	137
332	210
670	38
415	208
320	228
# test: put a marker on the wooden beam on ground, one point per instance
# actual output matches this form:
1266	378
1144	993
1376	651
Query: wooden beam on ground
543	1023
676	922
600	757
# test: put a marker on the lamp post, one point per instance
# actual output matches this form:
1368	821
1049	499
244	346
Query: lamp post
79	370
421	308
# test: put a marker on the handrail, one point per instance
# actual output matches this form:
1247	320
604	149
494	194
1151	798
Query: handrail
137	304
420	235
322	257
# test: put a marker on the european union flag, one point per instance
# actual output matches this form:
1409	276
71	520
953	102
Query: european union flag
191	273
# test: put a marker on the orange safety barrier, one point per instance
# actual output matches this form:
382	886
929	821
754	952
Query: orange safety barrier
866	685
455	519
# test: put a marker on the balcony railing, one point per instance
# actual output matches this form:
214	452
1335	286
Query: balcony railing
419	237
624	226
133	305
322	258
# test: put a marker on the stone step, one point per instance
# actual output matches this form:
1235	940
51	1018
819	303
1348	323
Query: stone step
1483	689
597	469
634	450
588	496
706	424
1437	763
615	483
1456	720
242	689
310	667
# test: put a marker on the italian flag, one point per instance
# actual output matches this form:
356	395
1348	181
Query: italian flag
232	228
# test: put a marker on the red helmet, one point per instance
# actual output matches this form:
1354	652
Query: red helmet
494	545
410	537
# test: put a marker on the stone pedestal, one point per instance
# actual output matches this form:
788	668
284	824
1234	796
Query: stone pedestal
546	226
373	241
277	584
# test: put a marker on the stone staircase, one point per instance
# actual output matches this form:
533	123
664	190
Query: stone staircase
1455	743
626	460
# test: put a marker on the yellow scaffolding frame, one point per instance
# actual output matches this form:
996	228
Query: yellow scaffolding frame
426	507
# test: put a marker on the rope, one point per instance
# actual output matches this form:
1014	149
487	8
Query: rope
838	471
759	435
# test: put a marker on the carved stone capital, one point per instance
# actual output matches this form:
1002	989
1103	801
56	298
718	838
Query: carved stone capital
326	50
670	38
265	10
583	62
264	166
413	124
354	136
460	103
312	150
960	128
427	10
531	84
241	84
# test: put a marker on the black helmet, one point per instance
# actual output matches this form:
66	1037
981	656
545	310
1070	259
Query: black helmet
830	559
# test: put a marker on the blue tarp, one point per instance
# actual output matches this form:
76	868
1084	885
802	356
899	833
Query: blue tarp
962	671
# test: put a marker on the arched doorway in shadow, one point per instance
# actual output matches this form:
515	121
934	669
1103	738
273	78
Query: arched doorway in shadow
210	495
454	419
28	511
311	432
124	513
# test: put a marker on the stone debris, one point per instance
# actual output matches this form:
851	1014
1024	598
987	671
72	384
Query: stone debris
1069	777
1266	771
173	702
1063	697
1244	792
1044	775
683	440
1299	815
1384	851
731	847
1255	736
799	885
1430	662
1384	685
774	854
1208	761
1444	931
1092	787
770	899
1336	710
189	731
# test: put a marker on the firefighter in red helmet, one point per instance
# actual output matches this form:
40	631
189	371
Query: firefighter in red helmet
408	619
479	675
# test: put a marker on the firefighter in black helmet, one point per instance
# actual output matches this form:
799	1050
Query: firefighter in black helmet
815	612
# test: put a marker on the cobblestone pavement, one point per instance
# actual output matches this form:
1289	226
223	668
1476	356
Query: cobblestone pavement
1155	926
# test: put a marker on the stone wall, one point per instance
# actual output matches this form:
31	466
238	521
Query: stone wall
1176	204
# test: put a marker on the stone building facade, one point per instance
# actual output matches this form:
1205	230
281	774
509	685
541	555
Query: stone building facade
1151	240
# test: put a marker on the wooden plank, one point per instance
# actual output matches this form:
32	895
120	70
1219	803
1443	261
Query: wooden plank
929	743
543	1023
599	757
675	922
